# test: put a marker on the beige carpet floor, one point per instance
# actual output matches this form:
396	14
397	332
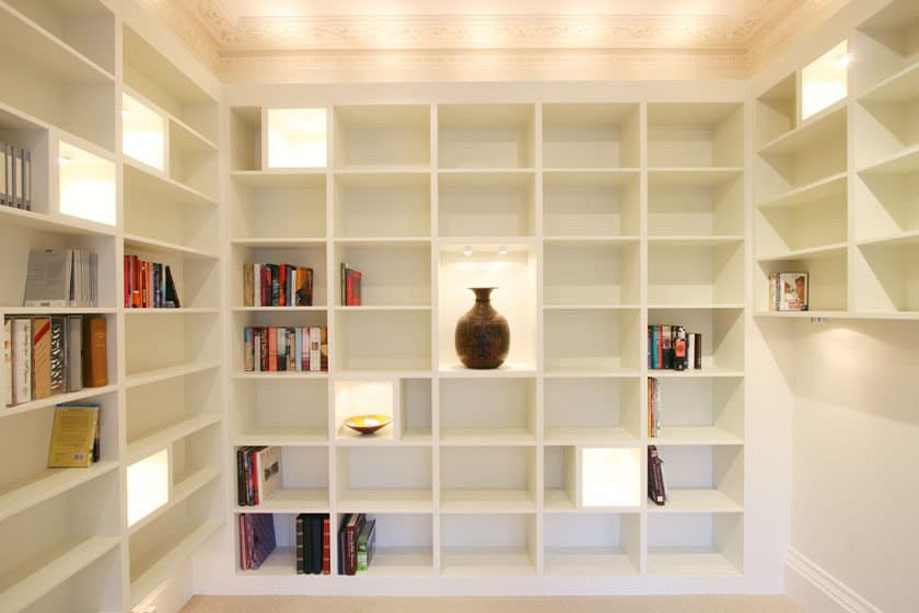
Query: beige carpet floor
648	604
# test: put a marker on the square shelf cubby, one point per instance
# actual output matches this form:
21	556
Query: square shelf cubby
365	396
382	205
486	135
803	226
695	544
487	204
394	479
886	205
304	486
488	479
162	339
560	478
696	203
498	411
722	333
591	273
295	138
590	135
776	111
393	274
196	274
89	589
610	478
278	208
415	411
375	136
695	273
192	159
308	255
494	545
281	411
592	341
701	478
404	544
700	410
591	204
592	544
275	352
887	276
23	134
703	135
592	410
827	282
394	340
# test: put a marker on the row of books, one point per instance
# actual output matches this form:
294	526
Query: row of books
256	539
314	553
656	490
46	356
286	349
673	348
788	291
75	435
277	285
356	543
16	177
258	474
350	286
148	285
654	407
62	278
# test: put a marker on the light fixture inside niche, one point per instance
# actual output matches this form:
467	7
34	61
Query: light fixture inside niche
467	251
502	250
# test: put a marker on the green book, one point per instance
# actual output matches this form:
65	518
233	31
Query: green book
366	544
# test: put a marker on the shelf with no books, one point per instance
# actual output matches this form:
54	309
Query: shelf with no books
624	239
691	561
182	490
825	124
170	372
457	371
11	218
421	170
591	307
189	137
283	437
902	162
486	562
50	401
163	437
145	178
135	242
383	241
811	253
592	373
714	306
687	500
491	436
695	240
609	436
902	85
293	500
47	484
281	177
388	500
809	193
38	577
457	500
280	242
589	562
897	239
695	435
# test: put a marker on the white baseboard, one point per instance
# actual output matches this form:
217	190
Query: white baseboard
817	591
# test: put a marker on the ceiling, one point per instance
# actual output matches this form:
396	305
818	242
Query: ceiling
346	40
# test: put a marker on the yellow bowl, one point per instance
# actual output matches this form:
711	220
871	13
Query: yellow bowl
368	424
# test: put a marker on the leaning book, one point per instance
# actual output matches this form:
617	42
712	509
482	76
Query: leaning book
73	436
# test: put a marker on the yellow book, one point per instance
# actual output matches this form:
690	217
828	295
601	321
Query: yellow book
73	436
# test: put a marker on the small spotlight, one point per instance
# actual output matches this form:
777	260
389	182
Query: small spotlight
844	60
502	250
467	251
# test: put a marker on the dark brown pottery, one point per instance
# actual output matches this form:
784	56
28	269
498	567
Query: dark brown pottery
482	337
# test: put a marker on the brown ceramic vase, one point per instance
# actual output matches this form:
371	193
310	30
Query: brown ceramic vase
482	337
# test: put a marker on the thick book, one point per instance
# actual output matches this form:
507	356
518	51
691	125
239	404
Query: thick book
366	544
172	294
41	358
666	347
269	475
342	545
792	289
248	285
679	348
656	491
95	359
7	381
326	546
316	544
22	360
298	529
58	355
74	353
315	348
264	540
73	436
49	278
242	497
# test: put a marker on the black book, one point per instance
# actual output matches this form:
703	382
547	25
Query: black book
172	296
299	551
667	347
697	357
241	497
656	490
316	540
275	284
680	348
306	527
342	545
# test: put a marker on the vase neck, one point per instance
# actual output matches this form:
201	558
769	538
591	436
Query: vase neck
482	294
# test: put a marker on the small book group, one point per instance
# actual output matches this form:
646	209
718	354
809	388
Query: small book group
673	348
286	349
148	285
277	285
15	177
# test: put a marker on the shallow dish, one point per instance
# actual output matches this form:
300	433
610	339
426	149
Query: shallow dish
368	424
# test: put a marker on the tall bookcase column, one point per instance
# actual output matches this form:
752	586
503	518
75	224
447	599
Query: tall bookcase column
643	343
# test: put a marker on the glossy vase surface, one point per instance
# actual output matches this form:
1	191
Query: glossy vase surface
482	337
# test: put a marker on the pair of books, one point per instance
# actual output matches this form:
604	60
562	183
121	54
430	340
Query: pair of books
673	348
258	474
277	285
148	285
314	553
256	539
286	349
356	543
656	491
46	356
350	286
16	177
654	407
788	291
62	278
75	436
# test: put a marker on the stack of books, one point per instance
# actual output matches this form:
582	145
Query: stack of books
256	539
673	348
350	286
62	278
286	349
314	553
356	543
15	177
788	291
654	407
148	285
258	474
277	285
656	491
46	356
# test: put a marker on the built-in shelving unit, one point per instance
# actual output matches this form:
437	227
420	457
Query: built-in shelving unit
85	125
591	220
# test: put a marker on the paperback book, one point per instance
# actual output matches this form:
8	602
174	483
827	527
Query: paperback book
350	286
74	436
788	291
62	278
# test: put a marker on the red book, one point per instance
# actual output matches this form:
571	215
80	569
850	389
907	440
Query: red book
266	286
149	284
282	300
272	348
326	547
356	288
349	287
135	282
127	281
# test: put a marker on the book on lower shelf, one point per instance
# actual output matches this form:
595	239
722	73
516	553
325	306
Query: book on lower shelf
350	286
656	490
258	474
356	543
788	291
48	356
15	177
313	535
277	285
62	278
75	436
672	347
270	349
149	285
256	539
654	407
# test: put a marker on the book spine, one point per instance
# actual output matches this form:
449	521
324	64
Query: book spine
7	382
241	498
275	285
349	287
326	548
282	285
680	350
248	279
95	365
697	364
75	353
248	356
22	360
298	349
282	348
316	556
272	349
315	351
58	355
41	358
691	350
356	299
27	180
263	349
343	282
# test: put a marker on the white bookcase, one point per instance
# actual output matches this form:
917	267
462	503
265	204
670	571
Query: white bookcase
92	95
592	219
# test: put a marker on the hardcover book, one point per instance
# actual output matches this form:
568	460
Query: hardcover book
791	291
41	358
269	474
22	360
73	436
58	355
656	491
95	360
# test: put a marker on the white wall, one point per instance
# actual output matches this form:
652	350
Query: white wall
855	492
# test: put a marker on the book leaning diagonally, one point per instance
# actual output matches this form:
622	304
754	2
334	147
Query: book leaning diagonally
73	436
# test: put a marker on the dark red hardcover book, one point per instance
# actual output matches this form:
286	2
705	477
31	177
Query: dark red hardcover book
697	358
282	285
349	287
356	287
326	546
127	281
135	281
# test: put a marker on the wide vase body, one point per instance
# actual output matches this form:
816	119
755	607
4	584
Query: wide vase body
482	337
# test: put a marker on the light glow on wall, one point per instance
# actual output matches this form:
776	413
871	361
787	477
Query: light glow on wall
297	138
143	133
354	398
148	485
825	80
610	477
87	185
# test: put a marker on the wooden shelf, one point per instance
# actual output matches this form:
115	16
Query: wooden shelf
821	189
824	124
696	501
47	484
151	443
824	251
138	177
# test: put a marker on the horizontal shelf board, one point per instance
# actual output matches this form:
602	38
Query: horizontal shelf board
286	437
383	169
695	241
592	373
689	561
903	85
383	241
813	253
625	239
712	372
387	562
471	172
50	401
273	309
695	435
486	562
143	243
486	436
695	177
722	306
893	240
187	487
586	562
161	568
825	124
139	176
170	372
188	138
864	315
382	373
625	171
312	374
802	314
457	243
589	177
379	500
827	187
486	501
294	500
572	435
591	307
905	161
385	307
504	371
555	501
280	178
11	218
164	437
279	242
25	38
696	501
47	484
21	310
383	436
179	311
37	581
